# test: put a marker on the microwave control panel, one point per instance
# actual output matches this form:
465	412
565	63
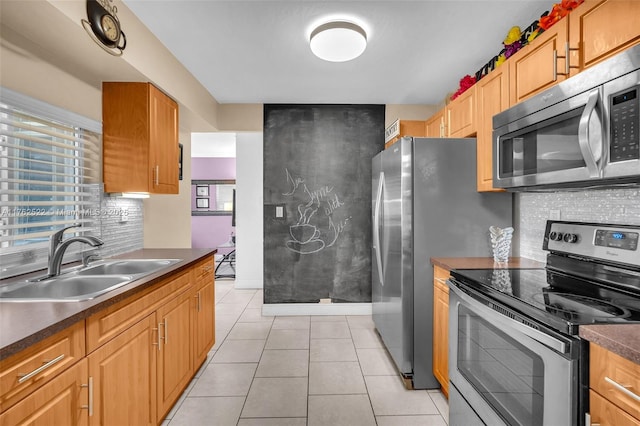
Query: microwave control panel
625	121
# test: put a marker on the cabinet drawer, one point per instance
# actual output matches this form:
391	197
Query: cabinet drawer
62	401
26	371
604	413
615	378
203	271
440	276
110	322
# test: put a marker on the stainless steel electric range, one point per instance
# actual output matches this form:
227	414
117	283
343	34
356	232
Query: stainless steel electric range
515	355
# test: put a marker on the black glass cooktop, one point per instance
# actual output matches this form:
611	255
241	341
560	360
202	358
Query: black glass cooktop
554	298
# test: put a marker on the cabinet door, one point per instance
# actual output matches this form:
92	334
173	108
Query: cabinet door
175	358
615	378
541	64
124	377
441	328
62	401
204	323
435	125
492	93
461	115
164	143
604	413
599	29
41	362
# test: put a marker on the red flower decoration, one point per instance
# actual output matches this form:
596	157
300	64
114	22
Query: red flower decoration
558	12
465	83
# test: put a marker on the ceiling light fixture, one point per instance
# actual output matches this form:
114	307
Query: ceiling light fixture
338	41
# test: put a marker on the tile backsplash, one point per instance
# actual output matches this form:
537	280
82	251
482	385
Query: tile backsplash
121	236
608	205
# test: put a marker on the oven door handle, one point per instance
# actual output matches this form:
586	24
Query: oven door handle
591	159
501	320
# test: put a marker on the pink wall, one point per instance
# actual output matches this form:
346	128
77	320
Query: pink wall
211	231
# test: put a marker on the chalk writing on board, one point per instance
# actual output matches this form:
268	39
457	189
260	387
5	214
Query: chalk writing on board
315	228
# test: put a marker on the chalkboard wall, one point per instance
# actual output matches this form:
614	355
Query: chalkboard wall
317	201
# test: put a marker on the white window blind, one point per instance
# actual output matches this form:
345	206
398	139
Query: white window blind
50	175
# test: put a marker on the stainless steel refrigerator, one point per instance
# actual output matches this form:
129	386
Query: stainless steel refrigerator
425	204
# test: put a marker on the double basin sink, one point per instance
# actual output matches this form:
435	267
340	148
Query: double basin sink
85	283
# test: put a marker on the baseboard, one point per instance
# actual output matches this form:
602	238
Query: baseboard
288	309
248	284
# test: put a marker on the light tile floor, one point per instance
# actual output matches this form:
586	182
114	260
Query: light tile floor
298	371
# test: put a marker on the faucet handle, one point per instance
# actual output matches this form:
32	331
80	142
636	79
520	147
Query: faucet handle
56	238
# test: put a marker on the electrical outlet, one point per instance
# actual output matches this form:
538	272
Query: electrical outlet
325	300
279	211
554	214
124	215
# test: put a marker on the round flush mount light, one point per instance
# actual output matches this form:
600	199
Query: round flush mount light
338	41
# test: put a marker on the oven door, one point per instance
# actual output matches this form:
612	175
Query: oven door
558	145
507	372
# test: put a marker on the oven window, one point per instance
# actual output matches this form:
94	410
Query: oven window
547	146
509	376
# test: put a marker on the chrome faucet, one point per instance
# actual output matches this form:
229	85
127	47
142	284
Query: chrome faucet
57	247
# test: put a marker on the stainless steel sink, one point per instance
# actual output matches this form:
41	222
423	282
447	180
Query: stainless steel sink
65	288
85	283
127	267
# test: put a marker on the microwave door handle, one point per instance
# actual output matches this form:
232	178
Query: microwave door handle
376	225
583	135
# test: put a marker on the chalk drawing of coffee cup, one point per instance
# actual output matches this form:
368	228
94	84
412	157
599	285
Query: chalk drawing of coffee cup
304	233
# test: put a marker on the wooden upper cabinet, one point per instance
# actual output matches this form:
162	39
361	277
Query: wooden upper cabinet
140	139
492	97
539	65
415	128
461	115
599	29
435	126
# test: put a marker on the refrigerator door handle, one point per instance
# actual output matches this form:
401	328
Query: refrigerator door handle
376	225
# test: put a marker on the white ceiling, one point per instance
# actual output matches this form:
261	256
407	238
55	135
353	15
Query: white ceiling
257	51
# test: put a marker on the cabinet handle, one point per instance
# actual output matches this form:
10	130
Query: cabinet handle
555	65
441	281
24	377
156	175
90	406
622	388
157	330
198	297
166	331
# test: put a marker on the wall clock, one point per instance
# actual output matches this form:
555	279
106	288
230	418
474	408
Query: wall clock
103	26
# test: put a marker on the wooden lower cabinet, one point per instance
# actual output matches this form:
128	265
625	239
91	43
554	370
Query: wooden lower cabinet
141	354
204	322
614	384
175	359
441	327
124	377
62	401
605	413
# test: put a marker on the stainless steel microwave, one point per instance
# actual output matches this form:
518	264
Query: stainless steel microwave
583	132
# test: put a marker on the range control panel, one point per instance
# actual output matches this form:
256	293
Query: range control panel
616	239
617	243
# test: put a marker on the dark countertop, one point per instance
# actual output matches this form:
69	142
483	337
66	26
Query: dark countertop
451	263
23	324
621	339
